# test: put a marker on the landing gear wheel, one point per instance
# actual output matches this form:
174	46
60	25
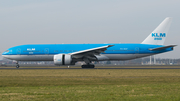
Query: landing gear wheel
17	66
87	66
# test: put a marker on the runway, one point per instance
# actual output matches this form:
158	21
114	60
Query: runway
29	68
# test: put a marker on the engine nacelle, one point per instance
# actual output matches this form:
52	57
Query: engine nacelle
63	59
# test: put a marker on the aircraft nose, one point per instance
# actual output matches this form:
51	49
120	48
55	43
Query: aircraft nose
4	53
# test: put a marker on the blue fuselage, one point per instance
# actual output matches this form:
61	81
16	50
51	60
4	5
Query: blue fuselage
116	52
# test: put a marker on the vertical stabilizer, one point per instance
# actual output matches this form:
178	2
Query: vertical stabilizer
158	36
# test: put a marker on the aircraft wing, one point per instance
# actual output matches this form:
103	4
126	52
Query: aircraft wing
160	48
90	52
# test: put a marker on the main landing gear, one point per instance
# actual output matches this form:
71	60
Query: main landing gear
88	66
88	63
17	65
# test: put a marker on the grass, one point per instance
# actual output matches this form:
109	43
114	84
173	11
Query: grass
90	84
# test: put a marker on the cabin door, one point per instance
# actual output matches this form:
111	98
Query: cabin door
137	50
46	51
18	51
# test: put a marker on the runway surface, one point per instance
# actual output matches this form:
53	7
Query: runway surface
29	68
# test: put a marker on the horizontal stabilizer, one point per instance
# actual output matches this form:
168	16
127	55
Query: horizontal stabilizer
160	48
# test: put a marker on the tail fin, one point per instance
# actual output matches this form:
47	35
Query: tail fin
158	36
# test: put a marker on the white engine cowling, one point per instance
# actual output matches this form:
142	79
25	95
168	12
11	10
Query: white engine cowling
63	59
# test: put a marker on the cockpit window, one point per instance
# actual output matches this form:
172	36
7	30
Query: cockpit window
7	51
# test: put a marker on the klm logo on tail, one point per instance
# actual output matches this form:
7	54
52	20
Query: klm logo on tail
158	36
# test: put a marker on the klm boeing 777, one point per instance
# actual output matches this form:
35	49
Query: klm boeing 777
69	54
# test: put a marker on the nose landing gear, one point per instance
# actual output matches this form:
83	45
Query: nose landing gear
17	65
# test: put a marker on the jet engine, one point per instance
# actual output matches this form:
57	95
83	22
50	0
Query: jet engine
63	59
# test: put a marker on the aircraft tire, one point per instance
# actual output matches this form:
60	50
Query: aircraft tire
87	66
17	66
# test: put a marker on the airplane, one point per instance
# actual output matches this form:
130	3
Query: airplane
69	54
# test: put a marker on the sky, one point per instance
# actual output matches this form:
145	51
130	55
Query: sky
86	21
